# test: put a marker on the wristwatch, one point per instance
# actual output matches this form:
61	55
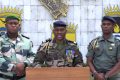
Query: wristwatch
94	72
106	76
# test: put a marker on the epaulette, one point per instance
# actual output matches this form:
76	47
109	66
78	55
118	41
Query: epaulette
48	40
118	40
25	36
44	45
72	42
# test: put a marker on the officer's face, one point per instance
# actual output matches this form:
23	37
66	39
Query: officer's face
59	33
12	26
107	27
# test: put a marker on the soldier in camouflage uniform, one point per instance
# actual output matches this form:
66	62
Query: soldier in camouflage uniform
15	51
104	53
58	52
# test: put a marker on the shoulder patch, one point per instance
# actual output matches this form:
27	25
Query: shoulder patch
44	45
25	36
46	42
93	43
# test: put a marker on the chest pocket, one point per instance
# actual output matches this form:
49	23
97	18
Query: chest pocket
98	50
54	54
51	54
112	50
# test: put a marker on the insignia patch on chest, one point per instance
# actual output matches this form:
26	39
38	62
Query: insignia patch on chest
70	55
112	44
110	48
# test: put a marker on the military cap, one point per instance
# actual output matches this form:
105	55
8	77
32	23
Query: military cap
109	18
59	24
11	18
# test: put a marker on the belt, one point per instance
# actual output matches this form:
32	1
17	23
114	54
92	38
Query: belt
11	77
102	71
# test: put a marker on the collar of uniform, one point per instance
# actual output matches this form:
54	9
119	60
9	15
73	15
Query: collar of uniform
19	38
111	39
64	41
101	39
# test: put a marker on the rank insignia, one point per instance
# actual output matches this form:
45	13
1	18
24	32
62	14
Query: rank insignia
110	48
113	44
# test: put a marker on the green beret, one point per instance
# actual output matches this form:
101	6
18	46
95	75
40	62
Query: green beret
11	18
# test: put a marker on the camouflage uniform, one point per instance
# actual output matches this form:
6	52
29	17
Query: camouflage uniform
51	54
105	54
12	53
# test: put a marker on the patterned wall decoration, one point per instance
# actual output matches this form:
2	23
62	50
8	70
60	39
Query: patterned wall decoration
114	11
56	7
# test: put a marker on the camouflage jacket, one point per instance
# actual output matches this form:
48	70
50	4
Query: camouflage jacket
51	54
13	52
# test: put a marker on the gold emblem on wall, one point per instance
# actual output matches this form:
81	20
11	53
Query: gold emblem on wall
114	11
56	7
71	32
6	11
